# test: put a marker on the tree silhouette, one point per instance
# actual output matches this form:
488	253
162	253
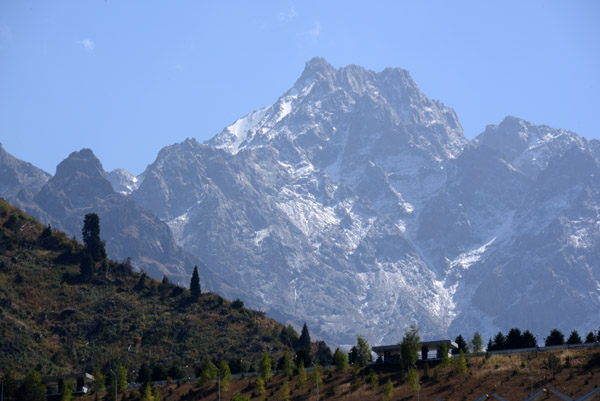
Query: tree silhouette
195	284
94	246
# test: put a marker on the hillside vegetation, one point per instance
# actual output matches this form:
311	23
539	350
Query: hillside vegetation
572	372
54	322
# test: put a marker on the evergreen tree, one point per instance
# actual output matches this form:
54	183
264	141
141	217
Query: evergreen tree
144	374
304	340
121	372
147	392
99	381
195	284
388	390
444	360
260	386
529	340
90	232
490	346
363	352
373	380
66	393
409	347
476	344
514	339
461	364
340	359
159	373
323	354
87	267
316	372
208	371
555	338
225	373
412	378
462	344
590	338
574	338
499	342
301	375
285	391
175	372
285	365
289	336
266	365
32	388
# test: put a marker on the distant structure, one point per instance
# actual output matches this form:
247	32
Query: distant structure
391	353
82	383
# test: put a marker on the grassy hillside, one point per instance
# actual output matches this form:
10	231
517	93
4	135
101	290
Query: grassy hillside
577	372
53	322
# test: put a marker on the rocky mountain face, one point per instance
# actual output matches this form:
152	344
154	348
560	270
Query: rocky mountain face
80	186
355	203
19	179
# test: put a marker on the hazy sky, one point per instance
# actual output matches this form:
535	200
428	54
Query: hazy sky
127	78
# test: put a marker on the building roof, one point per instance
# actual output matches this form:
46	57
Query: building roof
432	345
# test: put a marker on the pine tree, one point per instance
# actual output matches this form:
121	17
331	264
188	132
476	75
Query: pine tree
363	352
99	381
476	344
574	338
90	232
225	373
144	374
260	386
195	284
461	364
286	365
412	378
499	342
462	344
66	391
121	373
266	365
208	371
285	392
373	380
87	268
514	339
409	346
529	340
555	338
340	359
388	390
301	375
316	372
444	360
490	346
590	338
304	340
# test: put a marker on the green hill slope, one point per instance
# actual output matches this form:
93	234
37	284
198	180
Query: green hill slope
53	322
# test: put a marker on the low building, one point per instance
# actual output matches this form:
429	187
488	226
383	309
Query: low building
391	353
82	383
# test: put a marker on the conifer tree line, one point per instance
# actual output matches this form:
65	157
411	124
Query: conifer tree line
514	339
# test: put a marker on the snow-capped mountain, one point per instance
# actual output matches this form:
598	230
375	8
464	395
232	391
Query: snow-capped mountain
355	203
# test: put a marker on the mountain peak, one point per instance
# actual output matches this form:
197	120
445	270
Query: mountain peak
315	69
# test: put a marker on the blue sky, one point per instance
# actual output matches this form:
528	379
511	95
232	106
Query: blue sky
126	78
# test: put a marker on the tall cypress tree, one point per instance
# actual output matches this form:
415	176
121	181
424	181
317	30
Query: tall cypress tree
91	237
195	284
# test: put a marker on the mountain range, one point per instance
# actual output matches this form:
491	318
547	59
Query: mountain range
355	203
